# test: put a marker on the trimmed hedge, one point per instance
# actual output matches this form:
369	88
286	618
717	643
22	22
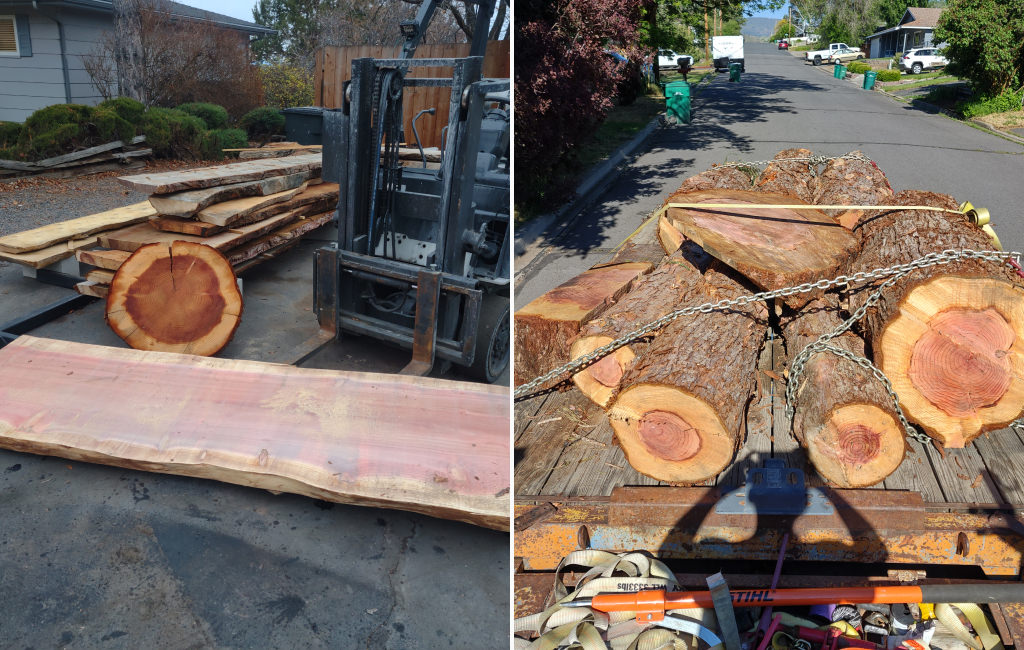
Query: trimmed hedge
261	123
889	75
214	116
127	108
9	132
173	133
858	67
216	141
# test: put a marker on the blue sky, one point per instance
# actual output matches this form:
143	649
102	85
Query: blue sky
779	13
234	8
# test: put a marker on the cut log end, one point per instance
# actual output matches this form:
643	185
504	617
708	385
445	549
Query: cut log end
600	380
197	280
670	435
859	445
956	353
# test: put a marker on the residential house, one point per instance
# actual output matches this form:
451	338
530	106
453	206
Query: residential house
914	30
42	43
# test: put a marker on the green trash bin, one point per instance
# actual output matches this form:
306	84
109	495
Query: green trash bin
734	71
839	71
677	101
835	71
869	79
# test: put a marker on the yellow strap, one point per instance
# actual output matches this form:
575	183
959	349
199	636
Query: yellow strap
987	638
810	206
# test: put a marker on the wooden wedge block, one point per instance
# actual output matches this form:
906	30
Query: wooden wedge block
186	204
194	179
38	238
102	259
359	438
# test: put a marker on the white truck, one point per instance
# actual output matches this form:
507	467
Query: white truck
726	50
817	57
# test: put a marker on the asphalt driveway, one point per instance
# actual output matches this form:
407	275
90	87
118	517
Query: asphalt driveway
781	103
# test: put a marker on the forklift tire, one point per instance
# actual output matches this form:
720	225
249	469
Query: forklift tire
493	340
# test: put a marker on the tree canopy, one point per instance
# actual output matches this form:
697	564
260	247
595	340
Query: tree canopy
985	42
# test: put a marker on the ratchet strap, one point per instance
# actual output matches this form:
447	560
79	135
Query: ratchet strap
986	639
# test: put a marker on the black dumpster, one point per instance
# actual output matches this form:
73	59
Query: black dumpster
304	124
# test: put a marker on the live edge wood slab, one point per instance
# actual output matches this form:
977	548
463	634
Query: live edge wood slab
426	445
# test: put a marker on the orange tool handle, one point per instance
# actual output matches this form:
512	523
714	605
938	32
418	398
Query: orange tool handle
645	600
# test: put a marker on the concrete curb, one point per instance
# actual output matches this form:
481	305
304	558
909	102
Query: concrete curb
533	238
1002	134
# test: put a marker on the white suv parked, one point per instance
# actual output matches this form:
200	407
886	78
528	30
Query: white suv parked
916	61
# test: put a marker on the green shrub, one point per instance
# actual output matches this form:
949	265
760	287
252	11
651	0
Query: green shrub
54	130
1008	100
173	133
889	75
110	126
10	153
858	67
215	117
286	85
9	132
261	123
216	141
126	107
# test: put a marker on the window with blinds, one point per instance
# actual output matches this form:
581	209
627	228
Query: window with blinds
8	35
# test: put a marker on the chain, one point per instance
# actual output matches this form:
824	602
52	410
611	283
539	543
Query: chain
891	274
812	161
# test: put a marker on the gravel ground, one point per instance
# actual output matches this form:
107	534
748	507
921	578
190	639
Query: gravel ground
32	202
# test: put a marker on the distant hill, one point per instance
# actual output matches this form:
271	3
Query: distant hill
757	27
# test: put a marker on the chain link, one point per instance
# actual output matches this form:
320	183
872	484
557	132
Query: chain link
891	274
812	161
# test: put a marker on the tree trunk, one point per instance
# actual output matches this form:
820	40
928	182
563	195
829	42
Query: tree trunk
848	181
651	297
128	55
178	297
844	416
680	413
950	338
544	328
774	248
796	177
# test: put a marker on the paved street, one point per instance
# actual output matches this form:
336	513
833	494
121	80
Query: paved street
780	103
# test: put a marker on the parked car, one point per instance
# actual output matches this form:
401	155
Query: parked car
726	50
783	45
919	60
845	54
817	57
669	59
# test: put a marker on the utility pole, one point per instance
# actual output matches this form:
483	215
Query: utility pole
707	37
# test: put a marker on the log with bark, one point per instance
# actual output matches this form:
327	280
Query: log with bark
544	327
680	414
851	181
657	294
716	178
844	417
950	338
788	174
177	297
772	247
370	439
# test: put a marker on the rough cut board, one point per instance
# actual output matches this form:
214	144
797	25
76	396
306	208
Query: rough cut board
185	204
93	289
774	248
109	260
134	237
47	256
277	238
37	238
230	212
194	179
368	439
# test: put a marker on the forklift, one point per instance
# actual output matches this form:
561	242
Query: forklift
423	254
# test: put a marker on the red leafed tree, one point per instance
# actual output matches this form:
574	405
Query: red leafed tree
565	81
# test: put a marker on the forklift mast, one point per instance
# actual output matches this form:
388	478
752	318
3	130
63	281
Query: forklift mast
423	255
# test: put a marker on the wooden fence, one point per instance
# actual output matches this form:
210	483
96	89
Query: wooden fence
333	68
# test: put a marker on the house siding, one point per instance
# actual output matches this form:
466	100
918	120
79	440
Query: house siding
33	82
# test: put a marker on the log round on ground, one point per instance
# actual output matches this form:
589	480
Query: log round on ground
675	281
851	181
178	297
680	411
950	338
843	415
787	176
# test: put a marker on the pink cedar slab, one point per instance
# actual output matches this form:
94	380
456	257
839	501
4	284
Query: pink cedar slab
425	445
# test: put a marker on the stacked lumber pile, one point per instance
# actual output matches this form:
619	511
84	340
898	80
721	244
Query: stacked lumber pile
204	227
370	439
275	150
949	338
116	155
